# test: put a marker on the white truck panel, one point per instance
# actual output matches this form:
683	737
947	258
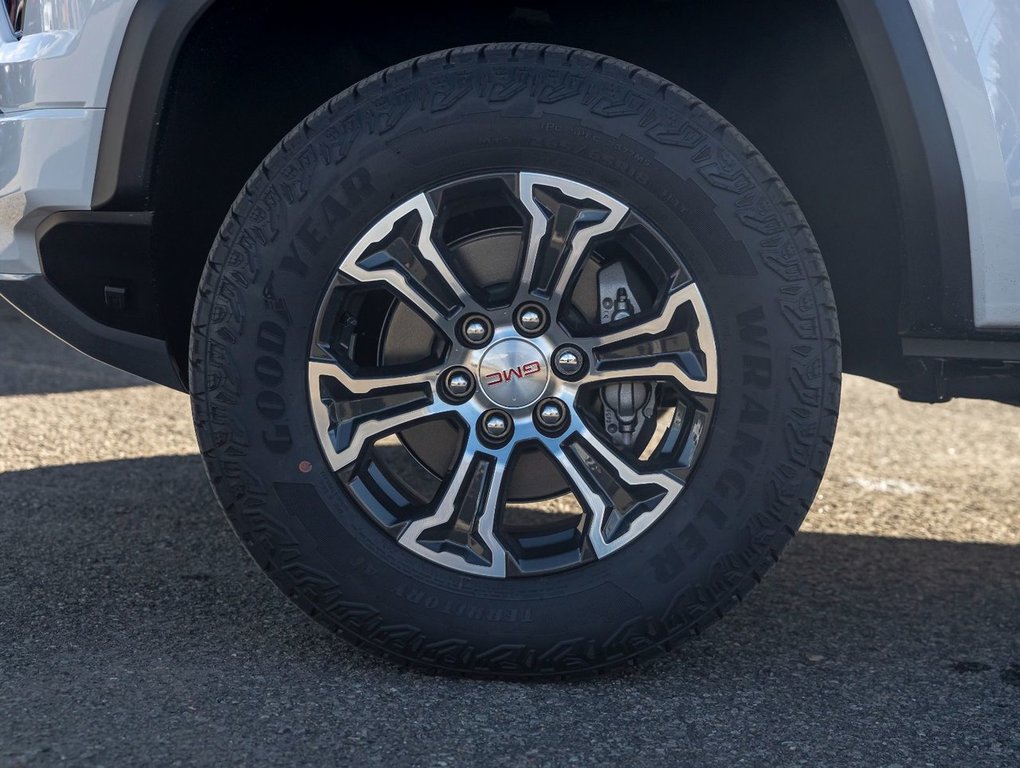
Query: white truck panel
974	47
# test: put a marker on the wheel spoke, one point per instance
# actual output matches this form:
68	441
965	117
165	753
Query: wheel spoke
368	431
400	252
363	385
621	501
673	370
658	324
354	423
681	364
565	217
461	530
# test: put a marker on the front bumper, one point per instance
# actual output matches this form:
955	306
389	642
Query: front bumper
141	355
47	162
54	85
57	257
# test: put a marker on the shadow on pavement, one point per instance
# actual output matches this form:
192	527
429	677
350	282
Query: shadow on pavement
127	604
34	362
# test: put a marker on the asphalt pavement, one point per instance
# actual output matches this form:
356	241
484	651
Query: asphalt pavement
134	630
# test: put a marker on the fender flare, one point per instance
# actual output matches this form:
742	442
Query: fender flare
141	80
937	298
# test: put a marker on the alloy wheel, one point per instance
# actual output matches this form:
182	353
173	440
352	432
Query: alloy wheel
503	340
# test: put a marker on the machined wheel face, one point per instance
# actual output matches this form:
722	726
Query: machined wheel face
505	339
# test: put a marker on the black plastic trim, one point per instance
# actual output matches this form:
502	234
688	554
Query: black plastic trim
85	253
141	355
145	66
962	349
940	379
933	207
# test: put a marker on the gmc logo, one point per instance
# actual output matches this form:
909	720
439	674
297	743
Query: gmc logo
501	377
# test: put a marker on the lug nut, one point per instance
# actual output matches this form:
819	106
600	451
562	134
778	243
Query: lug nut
476	330
568	361
458	384
531	319
496	425
551	414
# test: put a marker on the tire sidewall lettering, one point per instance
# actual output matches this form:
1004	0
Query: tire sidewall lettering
734	478
277	402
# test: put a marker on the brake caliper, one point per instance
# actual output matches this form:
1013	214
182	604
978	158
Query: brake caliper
629	404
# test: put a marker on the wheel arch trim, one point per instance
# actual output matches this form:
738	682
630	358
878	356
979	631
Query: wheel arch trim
940	291
933	208
973	49
141	80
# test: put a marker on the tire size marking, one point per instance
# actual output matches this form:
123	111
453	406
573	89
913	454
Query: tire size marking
415	595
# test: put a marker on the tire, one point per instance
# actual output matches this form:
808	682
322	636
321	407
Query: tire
573	115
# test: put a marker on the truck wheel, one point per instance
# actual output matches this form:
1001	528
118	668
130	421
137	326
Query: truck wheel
515	360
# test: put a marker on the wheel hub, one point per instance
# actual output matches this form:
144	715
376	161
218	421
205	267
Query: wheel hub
513	373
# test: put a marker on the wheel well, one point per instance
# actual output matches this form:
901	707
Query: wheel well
786	74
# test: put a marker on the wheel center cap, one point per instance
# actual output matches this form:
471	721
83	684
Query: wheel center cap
513	373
